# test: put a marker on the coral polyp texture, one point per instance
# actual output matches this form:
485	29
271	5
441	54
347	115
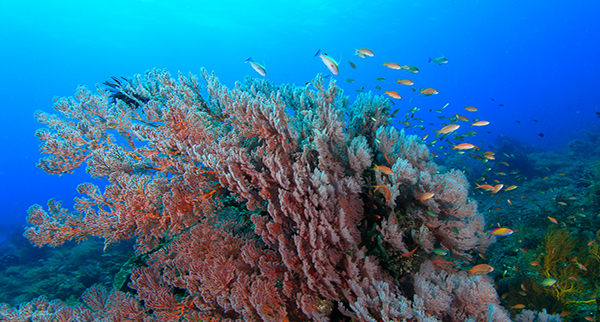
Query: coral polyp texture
262	203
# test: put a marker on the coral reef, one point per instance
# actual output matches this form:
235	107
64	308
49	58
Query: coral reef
264	202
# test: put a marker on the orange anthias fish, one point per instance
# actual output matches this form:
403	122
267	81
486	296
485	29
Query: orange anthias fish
480	123
497	188
392	65
464	146
257	67
462	118
429	91
485	187
409	253
513	187
426	196
448	129
364	52
383	169
502	232
480	269
388	193
405	81
393	94
331	64
471	108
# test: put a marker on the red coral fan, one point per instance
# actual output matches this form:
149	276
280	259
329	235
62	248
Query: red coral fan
255	203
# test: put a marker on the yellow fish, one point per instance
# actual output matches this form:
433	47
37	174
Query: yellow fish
548	282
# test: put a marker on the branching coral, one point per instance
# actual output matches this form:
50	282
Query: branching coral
320	240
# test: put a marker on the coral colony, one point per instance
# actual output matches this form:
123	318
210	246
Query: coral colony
260	203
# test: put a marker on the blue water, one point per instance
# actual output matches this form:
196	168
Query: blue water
540	59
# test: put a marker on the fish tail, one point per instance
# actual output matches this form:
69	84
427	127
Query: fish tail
248	60
318	52
430	60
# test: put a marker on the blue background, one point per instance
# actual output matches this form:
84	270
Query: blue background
541	59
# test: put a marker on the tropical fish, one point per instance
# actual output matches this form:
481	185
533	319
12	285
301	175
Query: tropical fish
363	52
257	67
502	232
464	146
386	190
412	69
383	169
552	219
517	306
381	79
350	80
391	65
448	129
471	108
581	266
480	123
331	64
405	81
497	188
480	269
393	94
409	253
426	196
431	213
485	187
428	91
440	60
513	187
461	118
548	282
440	252
352	64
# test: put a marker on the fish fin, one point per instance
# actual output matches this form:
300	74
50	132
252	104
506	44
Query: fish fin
318	52
248	60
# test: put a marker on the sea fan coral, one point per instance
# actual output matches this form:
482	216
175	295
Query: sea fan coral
258	203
